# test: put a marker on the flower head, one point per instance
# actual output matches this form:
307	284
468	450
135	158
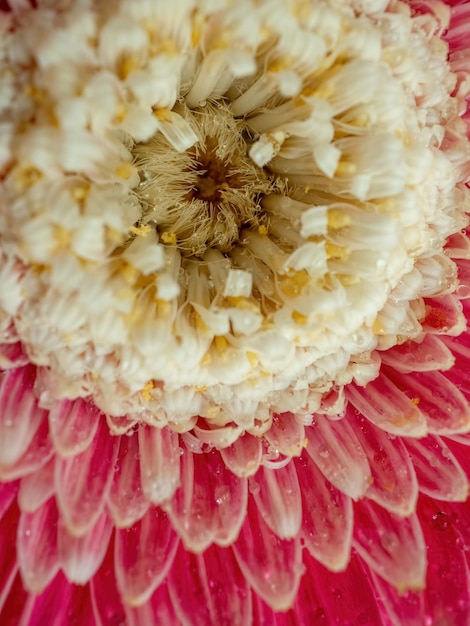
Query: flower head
231	234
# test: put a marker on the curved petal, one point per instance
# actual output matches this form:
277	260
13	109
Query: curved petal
37	487
126	500
105	597
443	405
159	610
386	406
327	516
394	485
336	450
271	565
286	434
143	556
39	452
20	415
159	463
210	505
37	546
392	546
439	473
200	593
80	557
244	456
277	495
83	481
73	425
9	566
412	356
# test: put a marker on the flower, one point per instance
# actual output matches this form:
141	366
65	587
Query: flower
234	268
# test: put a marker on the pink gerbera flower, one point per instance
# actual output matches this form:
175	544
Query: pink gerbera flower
234	272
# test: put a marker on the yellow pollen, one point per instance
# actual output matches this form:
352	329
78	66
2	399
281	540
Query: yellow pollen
262	230
169	238
125	170
141	231
299	318
164	115
129	273
338	219
348	279
293	285
80	192
221	344
378	328
200	388
345	168
147	389
336	252
128	64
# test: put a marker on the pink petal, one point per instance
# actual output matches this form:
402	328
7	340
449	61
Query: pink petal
271	565
244	456
12	603
439	473
340	599
336	450
126	500
386	406
210	505
143	556
37	487
39	451
447	594
159	610
277	495
209	588
80	557
394	485
159	463
83	481
73	425
105	596
327	516
8	492
443	405
37	546
20	416
60	602
405	609
392	546
286	434
9	565
412	356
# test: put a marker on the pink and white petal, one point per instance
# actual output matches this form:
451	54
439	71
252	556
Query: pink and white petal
20	415
392	546
439	473
82	482
39	452
80	557
386	406
126	500
9	564
286	434
158	611
277	495
37	487
327	516
12	355
412	356
442	404
403	609
447	594
394	485
244	456
73	425
59	601
8	493
36	540
209	588
444	316
336	450
143	555
272	566
210	505
159	463
105	597
14	603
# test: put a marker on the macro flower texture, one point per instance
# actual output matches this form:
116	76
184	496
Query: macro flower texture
234	283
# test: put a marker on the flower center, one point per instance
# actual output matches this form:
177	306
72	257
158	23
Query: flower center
200	198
